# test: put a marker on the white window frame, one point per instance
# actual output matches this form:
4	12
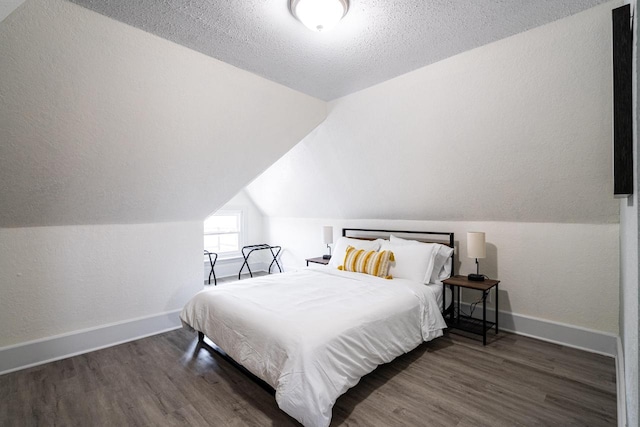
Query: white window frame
242	234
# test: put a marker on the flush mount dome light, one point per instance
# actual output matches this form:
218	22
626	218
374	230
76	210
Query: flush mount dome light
319	15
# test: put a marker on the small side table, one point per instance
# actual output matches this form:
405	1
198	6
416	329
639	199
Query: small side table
467	323
318	260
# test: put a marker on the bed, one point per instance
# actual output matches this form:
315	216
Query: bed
311	334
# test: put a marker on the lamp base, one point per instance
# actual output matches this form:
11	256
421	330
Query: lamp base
326	256
475	277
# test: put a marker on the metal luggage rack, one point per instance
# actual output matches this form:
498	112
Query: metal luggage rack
212	262
248	250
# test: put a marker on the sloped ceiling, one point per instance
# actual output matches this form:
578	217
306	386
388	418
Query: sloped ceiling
377	39
518	130
103	123
8	6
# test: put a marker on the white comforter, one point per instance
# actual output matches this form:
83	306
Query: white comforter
313	333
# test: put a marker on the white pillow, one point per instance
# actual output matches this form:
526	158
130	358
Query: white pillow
340	248
442	261
442	264
412	261
401	241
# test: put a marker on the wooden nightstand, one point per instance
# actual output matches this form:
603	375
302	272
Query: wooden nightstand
318	260
466	323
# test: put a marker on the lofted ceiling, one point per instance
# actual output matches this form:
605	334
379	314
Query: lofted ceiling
101	123
517	131
377	40
8	6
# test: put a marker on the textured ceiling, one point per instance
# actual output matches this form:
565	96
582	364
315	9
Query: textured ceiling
8	6
377	40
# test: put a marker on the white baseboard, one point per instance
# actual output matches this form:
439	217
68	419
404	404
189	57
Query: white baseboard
559	333
621	385
33	353
38	352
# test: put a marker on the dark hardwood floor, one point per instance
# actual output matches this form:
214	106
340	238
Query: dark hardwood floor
170	380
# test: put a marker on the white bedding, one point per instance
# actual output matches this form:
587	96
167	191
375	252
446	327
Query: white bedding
313	333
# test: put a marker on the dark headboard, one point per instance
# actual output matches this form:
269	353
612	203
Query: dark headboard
444	238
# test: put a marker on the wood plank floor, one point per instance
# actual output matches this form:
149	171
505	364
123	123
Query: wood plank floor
169	380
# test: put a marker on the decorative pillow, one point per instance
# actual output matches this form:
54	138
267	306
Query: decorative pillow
442	262
340	248
412	261
368	262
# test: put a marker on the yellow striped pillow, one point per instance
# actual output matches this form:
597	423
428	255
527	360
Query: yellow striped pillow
369	262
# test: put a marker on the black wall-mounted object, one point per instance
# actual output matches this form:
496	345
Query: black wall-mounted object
622	101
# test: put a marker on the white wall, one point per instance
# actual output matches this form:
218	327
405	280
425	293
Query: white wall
629	266
564	273
629	296
56	280
103	123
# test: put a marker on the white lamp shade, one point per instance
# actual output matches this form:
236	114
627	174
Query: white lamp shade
319	15
327	234
476	247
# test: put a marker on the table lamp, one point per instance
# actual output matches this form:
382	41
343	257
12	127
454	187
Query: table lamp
476	248
327	238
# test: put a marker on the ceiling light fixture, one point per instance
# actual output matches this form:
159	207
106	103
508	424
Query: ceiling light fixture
319	15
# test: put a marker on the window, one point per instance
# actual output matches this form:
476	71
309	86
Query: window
223	232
